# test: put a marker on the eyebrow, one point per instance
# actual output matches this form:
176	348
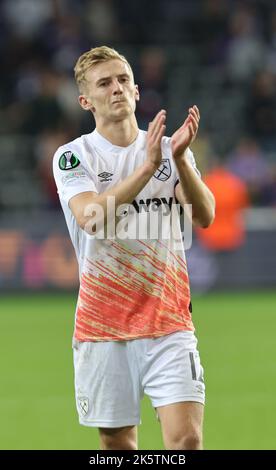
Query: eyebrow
121	75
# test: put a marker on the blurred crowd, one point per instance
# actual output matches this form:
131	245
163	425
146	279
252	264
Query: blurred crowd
173	45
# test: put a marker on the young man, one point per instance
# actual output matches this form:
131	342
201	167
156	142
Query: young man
133	328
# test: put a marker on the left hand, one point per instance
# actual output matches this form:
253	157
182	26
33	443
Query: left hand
186	134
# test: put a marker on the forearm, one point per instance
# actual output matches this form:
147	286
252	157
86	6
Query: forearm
196	193
123	193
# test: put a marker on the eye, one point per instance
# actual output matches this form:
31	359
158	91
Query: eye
123	79
103	84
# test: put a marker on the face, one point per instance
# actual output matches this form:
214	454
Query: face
111	93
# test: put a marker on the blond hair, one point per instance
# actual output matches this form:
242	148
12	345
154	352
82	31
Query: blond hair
93	57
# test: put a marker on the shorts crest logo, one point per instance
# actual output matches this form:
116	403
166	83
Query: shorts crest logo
83	405
68	161
164	171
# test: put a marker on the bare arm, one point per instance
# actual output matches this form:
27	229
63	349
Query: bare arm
191	189
82	205
196	193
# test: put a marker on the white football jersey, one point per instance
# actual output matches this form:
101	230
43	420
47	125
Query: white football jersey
133	284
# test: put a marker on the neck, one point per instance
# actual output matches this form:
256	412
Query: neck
121	133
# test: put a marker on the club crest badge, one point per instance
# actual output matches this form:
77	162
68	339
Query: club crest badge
164	171
83	403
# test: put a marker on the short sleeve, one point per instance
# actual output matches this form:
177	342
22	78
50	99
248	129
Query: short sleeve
70	175
191	159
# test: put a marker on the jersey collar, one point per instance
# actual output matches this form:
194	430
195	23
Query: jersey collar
103	144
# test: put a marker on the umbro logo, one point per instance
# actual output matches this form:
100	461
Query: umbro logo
105	176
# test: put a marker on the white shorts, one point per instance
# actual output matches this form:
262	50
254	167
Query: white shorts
112	377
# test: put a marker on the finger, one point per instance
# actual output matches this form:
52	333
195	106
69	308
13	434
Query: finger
197	111
191	132
184	125
161	133
152	124
155	131
194	123
193	112
161	113
155	123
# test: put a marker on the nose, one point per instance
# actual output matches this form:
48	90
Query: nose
117	87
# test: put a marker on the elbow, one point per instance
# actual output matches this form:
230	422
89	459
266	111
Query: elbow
206	223
209	219
209	214
91	220
205	220
87	224
205	213
81	221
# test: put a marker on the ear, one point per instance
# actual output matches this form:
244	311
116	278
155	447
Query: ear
137	94
86	103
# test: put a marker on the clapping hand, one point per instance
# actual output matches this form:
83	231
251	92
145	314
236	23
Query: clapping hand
186	134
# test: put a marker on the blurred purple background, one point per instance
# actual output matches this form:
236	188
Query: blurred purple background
218	54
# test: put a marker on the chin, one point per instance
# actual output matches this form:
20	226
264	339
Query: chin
122	114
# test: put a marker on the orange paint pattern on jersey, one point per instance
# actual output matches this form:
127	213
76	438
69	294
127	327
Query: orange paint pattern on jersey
133	295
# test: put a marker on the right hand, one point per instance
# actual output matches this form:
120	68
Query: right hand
156	131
